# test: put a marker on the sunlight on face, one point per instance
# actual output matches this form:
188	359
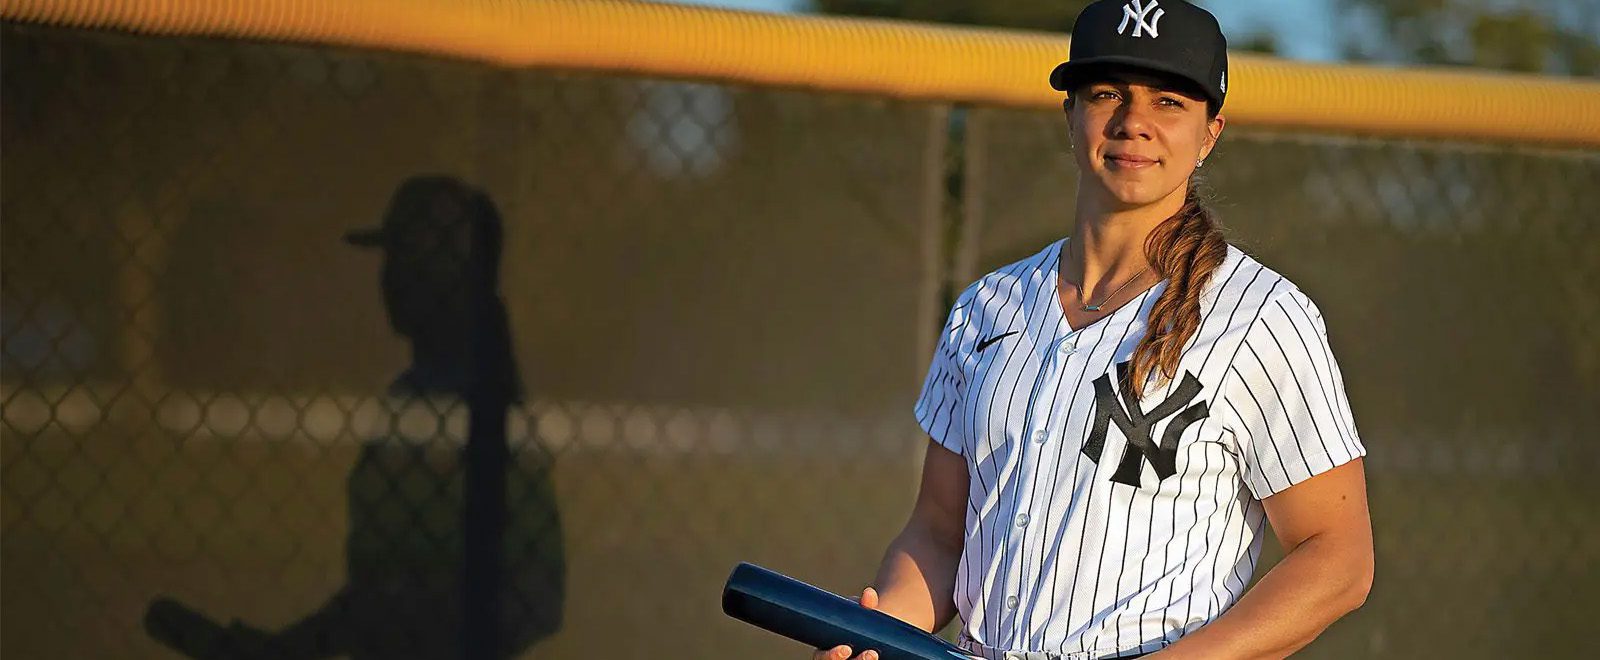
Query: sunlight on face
1137	137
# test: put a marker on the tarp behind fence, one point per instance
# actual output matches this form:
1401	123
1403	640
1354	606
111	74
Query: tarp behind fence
715	297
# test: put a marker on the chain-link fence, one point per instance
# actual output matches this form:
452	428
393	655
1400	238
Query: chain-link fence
229	431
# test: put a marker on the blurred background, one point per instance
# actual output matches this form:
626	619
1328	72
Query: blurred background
321	349
1537	36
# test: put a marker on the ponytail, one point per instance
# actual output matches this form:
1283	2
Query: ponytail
1185	250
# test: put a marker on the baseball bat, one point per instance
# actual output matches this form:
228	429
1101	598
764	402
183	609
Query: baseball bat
781	604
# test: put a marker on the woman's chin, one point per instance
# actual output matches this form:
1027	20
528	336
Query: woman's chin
1134	197
1125	191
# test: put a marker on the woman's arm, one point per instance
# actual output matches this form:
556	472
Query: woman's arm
1326	572
918	573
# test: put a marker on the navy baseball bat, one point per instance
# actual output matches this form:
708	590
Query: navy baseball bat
806	614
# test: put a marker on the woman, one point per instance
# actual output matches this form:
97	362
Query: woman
1114	419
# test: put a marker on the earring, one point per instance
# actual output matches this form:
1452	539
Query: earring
1199	164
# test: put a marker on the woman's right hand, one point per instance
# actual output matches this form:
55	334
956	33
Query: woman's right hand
869	600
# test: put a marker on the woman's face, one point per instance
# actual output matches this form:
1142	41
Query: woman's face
1137	137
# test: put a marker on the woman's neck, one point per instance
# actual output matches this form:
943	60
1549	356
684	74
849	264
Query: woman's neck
1107	246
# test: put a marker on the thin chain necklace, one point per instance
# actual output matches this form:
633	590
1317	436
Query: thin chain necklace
1113	294
1095	308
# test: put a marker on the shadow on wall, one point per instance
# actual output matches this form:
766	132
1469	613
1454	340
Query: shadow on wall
444	541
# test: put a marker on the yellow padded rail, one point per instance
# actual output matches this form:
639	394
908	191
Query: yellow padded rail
897	59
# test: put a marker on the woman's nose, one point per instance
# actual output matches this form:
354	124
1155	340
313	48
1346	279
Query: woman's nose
1130	122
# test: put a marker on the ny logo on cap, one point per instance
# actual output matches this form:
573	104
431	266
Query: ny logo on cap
1138	12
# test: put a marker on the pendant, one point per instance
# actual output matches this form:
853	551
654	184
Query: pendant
1091	308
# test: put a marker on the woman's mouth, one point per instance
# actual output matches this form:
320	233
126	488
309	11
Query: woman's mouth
1130	161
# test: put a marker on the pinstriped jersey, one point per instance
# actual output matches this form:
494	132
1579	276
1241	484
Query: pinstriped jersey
1099	525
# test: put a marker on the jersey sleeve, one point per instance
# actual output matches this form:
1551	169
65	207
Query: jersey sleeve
940	408
1287	399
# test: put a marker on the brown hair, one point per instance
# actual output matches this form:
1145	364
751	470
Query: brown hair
1186	250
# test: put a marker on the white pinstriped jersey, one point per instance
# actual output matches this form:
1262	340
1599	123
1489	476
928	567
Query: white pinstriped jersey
1100	528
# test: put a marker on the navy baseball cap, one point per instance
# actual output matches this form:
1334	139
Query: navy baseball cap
1169	37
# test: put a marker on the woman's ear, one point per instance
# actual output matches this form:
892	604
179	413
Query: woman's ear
1213	134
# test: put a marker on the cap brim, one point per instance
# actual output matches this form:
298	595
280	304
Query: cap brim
365	237
1072	73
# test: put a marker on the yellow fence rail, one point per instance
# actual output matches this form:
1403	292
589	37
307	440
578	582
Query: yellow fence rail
903	60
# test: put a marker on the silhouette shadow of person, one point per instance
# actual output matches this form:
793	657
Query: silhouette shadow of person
454	549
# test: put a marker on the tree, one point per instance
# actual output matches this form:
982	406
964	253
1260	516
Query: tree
1534	36
1053	16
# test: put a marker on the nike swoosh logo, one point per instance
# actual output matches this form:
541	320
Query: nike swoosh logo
987	342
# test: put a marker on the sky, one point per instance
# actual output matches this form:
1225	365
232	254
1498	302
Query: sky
1304	28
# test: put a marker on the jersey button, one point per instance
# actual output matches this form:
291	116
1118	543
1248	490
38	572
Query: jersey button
1011	603
1022	520
1069	347
1040	436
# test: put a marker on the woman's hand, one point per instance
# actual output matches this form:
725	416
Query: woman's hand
869	600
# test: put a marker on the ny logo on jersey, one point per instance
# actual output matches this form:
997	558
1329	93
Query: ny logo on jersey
1136	425
1143	21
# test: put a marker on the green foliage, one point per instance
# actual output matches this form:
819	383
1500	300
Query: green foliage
1052	16
1534	36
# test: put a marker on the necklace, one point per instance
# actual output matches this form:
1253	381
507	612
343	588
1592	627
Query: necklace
1113	294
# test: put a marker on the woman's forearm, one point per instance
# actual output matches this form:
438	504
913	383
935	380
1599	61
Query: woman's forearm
917	577
1318	582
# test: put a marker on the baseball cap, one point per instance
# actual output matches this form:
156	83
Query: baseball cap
423	212
1170	37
